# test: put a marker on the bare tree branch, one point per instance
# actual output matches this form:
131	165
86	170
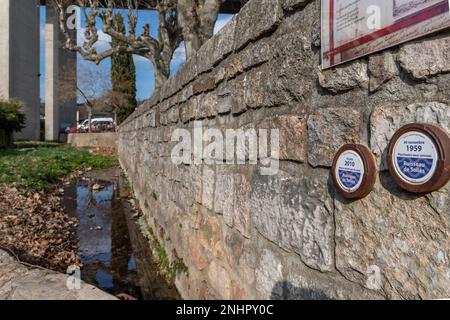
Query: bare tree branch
190	20
197	19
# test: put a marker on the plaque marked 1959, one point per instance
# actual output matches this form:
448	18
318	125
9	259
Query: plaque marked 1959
418	158
415	157
354	171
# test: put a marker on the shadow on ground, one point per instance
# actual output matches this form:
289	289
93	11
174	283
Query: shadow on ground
287	291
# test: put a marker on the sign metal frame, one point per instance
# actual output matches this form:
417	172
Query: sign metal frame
418	23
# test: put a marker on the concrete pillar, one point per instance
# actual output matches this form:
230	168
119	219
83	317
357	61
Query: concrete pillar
19	60
60	79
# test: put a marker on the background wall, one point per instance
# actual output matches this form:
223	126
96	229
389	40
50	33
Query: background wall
244	235
107	140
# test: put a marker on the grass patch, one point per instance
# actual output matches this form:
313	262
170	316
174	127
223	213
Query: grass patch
38	165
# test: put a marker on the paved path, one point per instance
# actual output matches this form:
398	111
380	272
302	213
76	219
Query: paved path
18	282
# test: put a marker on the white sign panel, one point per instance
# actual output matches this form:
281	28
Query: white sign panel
349	171
415	158
354	28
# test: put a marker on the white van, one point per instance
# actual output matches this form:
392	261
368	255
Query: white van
108	123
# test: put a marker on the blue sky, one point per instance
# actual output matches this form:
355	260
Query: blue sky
144	68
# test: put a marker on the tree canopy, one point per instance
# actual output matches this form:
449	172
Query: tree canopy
11	118
123	77
191	21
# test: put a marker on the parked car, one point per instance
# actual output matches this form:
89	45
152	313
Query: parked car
103	126
83	125
73	130
97	125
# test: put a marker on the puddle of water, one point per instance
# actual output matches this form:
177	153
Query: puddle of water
115	255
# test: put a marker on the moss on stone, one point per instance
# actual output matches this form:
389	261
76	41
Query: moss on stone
168	269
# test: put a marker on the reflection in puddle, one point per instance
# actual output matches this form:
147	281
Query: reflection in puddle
103	240
104	246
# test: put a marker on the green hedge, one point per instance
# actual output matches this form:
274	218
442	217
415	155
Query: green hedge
11	120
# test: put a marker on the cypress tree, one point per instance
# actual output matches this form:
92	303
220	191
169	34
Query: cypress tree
123	77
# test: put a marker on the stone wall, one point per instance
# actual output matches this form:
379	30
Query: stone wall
107	140
246	235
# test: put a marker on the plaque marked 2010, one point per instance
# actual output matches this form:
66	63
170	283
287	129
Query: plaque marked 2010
354	171
350	171
418	158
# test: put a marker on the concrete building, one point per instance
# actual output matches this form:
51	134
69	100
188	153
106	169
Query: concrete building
19	59
60	79
20	68
19	64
